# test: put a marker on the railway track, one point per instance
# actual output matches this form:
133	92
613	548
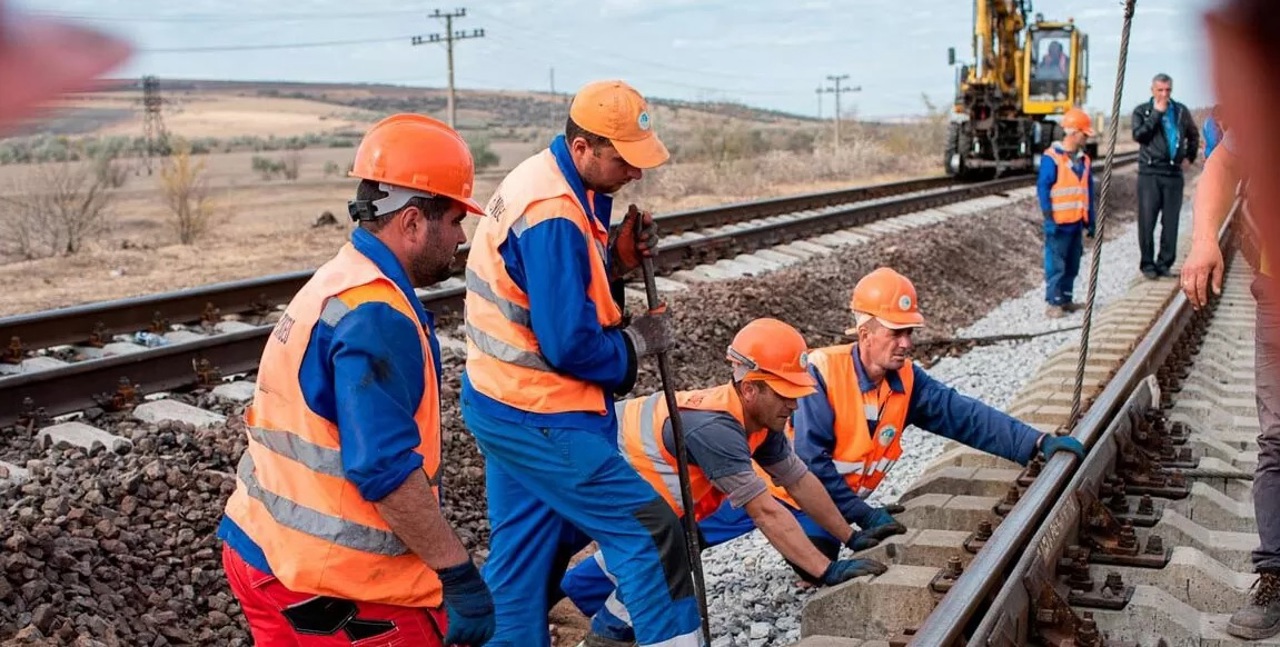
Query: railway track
1146	542
67	360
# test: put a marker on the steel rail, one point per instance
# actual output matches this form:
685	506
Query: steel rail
122	316
71	388
968	600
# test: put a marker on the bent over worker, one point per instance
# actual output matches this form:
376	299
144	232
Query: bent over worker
849	431
732	431
547	351
334	533
1065	189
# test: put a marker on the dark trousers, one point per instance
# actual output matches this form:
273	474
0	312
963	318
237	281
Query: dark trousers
1266	484
1159	198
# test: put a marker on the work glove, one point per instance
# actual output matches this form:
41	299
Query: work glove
1050	444
847	569
637	238
469	605
649	333
876	527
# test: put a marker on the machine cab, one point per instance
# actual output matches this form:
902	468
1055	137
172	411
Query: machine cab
1055	67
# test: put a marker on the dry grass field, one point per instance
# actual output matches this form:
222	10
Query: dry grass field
263	225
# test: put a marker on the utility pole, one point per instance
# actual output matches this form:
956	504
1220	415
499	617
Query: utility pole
837	90
448	38
553	81
819	93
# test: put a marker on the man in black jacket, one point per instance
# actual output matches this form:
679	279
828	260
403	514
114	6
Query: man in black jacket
1170	140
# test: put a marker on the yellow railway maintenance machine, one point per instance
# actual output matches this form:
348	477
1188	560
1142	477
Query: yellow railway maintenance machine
1022	76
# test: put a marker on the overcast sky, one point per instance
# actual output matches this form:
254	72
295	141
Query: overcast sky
766	53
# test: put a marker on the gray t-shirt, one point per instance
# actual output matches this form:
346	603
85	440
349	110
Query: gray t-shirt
717	444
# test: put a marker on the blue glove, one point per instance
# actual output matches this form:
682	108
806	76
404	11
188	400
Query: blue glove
847	569
1050	444
468	604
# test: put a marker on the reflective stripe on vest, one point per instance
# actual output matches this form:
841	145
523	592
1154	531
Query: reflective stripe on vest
504	360
1069	197
640	430
292	498
861	458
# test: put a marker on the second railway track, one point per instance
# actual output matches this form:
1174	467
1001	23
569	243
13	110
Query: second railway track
86	357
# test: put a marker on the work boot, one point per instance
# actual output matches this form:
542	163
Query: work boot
1260	618
593	639
1054	312
1072	306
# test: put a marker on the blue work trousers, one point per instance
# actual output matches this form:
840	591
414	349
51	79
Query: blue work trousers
591	585
1063	248
550	491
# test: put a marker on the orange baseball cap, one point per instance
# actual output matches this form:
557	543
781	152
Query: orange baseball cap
614	110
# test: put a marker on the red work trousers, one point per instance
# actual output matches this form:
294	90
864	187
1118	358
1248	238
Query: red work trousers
279	617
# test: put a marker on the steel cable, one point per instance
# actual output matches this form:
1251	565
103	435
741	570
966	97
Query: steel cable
1113	128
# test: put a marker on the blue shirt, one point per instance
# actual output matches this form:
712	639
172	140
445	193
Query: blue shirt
1171	131
365	375
1212	136
934	407
1044	187
549	262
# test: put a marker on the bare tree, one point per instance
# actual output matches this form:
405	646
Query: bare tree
185	186
57	208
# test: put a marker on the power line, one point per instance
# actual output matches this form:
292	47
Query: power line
224	18
264	46
449	36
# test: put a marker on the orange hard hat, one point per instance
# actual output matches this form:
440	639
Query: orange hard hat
42	58
419	153
889	297
775	352
1077	119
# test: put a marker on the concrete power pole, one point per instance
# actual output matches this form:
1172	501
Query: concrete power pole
819	93
448	38
837	90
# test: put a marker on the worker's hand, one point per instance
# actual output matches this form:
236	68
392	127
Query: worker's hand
1202	270
847	569
650	333
1050	444
468	604
637	238
876	527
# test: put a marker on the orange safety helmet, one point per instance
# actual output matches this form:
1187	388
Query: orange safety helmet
1077	119
775	352
417	152
889	297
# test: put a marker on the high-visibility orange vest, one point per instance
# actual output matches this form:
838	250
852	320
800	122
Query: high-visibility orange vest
318	534
503	357
640	422
861	457
1069	196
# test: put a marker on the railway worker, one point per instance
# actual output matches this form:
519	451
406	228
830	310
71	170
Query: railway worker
1241	35
1065	188
735	441
849	431
334	533
42	58
548	348
1169	139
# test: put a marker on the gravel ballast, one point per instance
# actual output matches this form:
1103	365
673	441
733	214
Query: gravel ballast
120	549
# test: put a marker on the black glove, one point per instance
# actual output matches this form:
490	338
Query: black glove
637	237
876	527
468	604
649	333
847	569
